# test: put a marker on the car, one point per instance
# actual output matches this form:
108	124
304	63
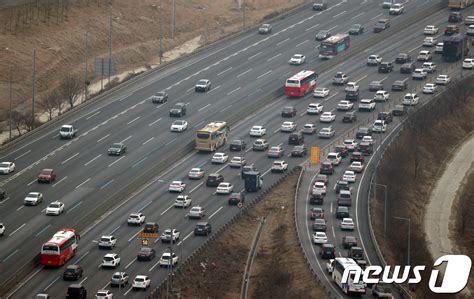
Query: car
327	117
327	132
349	241
340	79
3	194
297	59
429	41
320	5
73	272
203	85
316	213
368	139
424	55
430	30
451	29
357	167
396	9
197	212
342	212
117	149
455	17
183	201
55	208
110	260
176	186
439	48
320	92
170	235
104	294
357	156
237	162
341	185
179	126
430	88
141	282
225	188
320	238
468	63
202	228
260	145
33	199
275	152
296	138
178	110
237	145
322	35
347	224
75	290
151	227
365	148
381	25
319	225
469	20
403	58
160	97
46	175
316	199
385	116
299	151
442	80
400	85
309	129
356	253
330	266
385	67
366	105
419	74
136	219
214	179
376	85
168	259
219	158
279	166
398	110
2	229
411	99
344	106
381	96
67	132
349	117
350	144
342	150
288	126
265	29
196	173
470	30
7	167
356	29
319	188
314	108
328	251
407	68
119	279
374	59
146	254
334	158
257	131
236	197
288	111
326	168
429	67
379	126
349	176
107	241
351	86
322	178
363	131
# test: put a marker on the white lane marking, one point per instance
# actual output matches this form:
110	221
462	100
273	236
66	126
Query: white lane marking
75	206
114	230
241	74
273	57
133	120
231	92
198	124
111	164
331	207
128	291
49	285
254	92
167	209
332	28
202	108
21	207
31	183
129	264
81	258
145	206
283	41
266	172
226	107
82	281
361	78
16	230
309	28
339	14
333	232
70	158
172	140
187	236
148	140
126	139
199	185
134	235
384	78
414	49
140	161
215	212
93	159
106	184
10	255
151	124
331	96
81	184
54	185
356	16
373	18
92	115
224	71
214	89
253	56
190	89
25	153
303	42
4	200
102	138
264	74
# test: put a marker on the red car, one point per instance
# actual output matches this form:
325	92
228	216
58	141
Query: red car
357	156
46	175
451	29
299	151
316	213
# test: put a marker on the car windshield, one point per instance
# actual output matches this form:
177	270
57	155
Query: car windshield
202	82
65	129
116	146
160	94
54	205
178	122
108	258
139	279
4	165
323	32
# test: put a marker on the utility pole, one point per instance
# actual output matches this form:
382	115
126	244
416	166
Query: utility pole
10	123
86	83
243	14
33	91
110	41
173	20
161	30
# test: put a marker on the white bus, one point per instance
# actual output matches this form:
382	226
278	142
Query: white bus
340	264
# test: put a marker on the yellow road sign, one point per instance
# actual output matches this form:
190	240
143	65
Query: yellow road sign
148	235
145	242
314	155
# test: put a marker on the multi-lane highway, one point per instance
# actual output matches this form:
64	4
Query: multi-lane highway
100	191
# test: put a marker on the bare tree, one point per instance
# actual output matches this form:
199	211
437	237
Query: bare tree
70	88
53	101
17	121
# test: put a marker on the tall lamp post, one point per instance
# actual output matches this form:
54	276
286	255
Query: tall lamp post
409	231
384	217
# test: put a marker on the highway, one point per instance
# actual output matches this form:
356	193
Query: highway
245	72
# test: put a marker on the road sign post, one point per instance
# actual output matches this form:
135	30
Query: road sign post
315	155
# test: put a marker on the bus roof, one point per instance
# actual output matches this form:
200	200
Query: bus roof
61	236
336	38
214	126
345	262
301	75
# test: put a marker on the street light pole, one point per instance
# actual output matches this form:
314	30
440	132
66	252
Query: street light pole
409	232
11	98
161	30
33	79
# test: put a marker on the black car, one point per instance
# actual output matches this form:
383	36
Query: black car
385	67
342	149
349	117
236	198
386	116
349	241
159	97
202	229
407	68
322	35
363	131
76	291
316	199
178	110
299	151
151	227
320	5
400	85
341	185
356	253
296	138
403	58
237	145
326	168
365	148
319	225
72	272
3	194
455	17
399	110
342	212
117	149
352	95
246	169
328	251
288	111
146	254
214	179
356	29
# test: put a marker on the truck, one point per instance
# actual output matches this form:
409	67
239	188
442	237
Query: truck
67	132
388	3
382	290
459	4
455	47
253	181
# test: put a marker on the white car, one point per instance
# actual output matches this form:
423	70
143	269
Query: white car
141	282
396	9
430	88
319	188
350	144
309	129
468	63
381	96
108	241
288	126
357	166
411	99
279	166
170	235
442	79
179	125
197	212
347	224
470	30
314	108
104	294
439	48
327	117
368	139
136	219
297	59
334	158
176	186
67	132
237	162
349	176
224	188
424	55
320	92
344	106
374	60
429	42
330	266
55	208
366	105
168	259
196	173
33	199
320	238
430	30
257	131
203	85
419	74
219	158
110	260
7	167
182	201
2	229
327	132
351	86
379	126
429	67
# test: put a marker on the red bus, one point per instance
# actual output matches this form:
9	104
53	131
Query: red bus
333	45
300	84
60	248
